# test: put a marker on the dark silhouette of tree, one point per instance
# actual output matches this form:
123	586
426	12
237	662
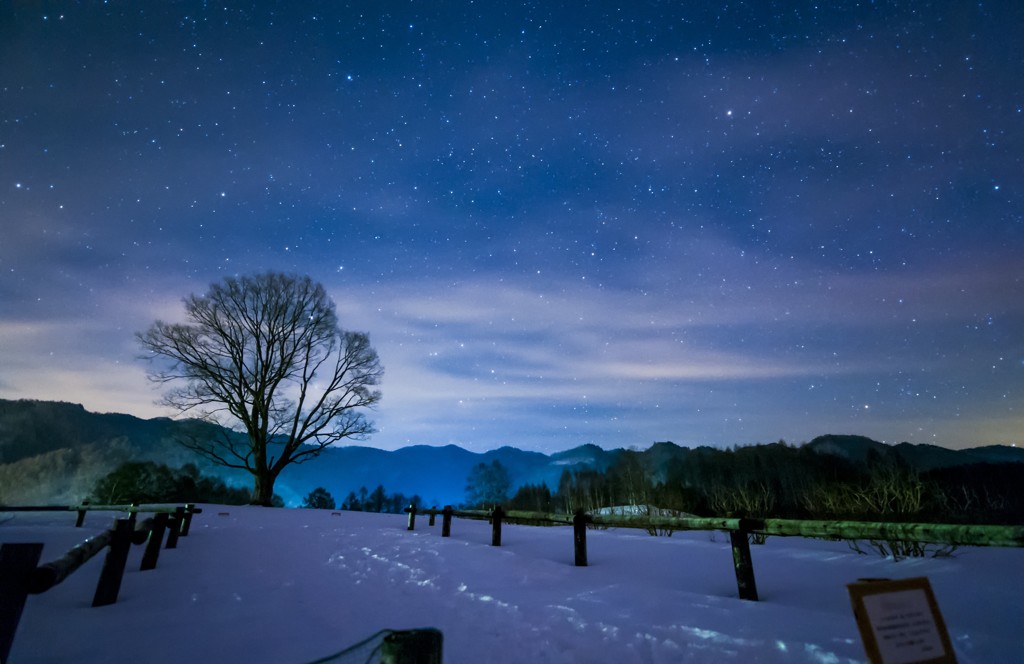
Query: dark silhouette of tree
319	499
979	493
533	498
135	482
397	502
629	482
351	502
150	482
264	355
378	500
584	489
487	484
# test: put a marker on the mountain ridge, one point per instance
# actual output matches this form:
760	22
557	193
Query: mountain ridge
64	444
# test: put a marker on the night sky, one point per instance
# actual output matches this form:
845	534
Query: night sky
560	222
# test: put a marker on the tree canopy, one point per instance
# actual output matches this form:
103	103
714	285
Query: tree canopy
487	484
264	355
151	482
319	499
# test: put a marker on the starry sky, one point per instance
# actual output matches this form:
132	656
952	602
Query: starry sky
560	222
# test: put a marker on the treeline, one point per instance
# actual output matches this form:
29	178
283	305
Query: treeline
783	481
145	482
378	500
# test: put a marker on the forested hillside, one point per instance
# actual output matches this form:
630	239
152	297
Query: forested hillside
833	477
56	452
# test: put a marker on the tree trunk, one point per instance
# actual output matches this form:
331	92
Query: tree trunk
263	489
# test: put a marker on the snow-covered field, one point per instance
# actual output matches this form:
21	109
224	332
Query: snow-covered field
254	584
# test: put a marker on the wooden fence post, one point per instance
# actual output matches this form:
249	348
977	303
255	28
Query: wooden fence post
744	565
579	537
446	521
113	566
17	566
187	519
156	538
174	527
496	517
141	531
412	516
433	513
415	646
81	515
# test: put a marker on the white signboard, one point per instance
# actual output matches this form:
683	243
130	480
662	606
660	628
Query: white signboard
900	623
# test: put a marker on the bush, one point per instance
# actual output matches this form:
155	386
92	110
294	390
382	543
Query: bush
150	482
319	499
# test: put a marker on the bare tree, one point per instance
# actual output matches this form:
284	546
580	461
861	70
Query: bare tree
263	355
487	484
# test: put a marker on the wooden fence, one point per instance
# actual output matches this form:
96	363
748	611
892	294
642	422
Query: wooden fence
21	575
740	531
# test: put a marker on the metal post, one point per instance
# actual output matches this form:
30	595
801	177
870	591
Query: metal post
412	516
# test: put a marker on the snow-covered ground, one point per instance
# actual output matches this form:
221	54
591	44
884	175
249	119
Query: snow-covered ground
254	584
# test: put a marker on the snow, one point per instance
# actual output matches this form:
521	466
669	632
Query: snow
282	585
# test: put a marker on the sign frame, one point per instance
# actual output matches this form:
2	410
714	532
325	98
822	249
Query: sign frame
900	622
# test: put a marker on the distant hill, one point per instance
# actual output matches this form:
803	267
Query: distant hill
30	428
436	474
53	452
921	457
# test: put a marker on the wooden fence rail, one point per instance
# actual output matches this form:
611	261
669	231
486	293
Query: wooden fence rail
925	533
739	531
22	575
132	509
